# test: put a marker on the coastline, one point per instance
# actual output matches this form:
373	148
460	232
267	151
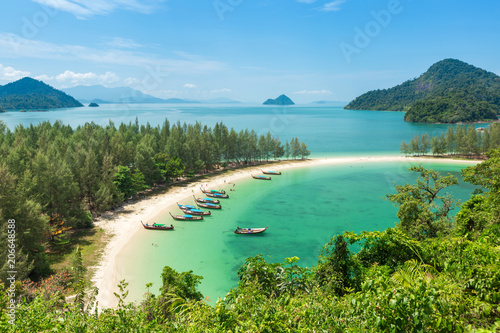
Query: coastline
122	223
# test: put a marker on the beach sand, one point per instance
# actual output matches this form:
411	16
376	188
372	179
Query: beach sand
122	223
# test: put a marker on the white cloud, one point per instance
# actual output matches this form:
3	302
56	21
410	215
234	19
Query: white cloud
15	46
333	6
313	92
10	74
83	9
131	81
87	78
190	85
218	91
44	78
122	43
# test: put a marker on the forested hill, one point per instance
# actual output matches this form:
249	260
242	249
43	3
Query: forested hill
280	100
28	93
450	91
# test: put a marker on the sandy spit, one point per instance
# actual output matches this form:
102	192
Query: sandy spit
122	223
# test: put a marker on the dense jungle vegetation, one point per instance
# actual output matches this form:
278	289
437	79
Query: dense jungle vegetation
28	93
450	91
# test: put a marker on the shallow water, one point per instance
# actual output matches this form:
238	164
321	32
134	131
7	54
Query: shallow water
304	208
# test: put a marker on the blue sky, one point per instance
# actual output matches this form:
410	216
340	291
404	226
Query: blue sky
248	50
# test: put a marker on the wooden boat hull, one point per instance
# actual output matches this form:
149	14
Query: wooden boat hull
206	200
157	227
261	177
277	173
249	231
213	191
208	206
185	218
195	212
217	195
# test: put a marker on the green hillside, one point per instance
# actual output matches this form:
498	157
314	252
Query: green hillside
450	91
281	100
29	93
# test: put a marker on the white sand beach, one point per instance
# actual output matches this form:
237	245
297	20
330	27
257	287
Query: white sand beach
122	223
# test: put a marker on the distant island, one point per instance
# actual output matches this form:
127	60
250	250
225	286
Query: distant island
28	93
330	103
281	100
451	91
102	95
93	105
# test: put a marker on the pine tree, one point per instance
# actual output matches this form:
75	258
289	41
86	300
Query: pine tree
287	149
405	148
304	152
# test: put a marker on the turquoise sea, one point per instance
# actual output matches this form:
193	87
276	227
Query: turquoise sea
303	208
328	131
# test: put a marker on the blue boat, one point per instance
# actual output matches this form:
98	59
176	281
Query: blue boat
261	177
206	200
208	205
193	211
186	217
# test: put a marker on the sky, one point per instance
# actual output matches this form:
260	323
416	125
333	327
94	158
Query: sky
246	50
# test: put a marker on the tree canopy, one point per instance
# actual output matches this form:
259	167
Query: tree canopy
450	91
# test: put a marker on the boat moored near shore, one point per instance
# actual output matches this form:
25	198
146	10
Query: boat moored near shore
207	200
186	217
156	226
261	177
271	172
249	231
208	205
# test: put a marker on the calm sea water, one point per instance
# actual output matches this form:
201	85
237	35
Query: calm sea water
328	131
303	208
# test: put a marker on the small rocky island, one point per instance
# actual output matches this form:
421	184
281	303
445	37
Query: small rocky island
281	100
93	105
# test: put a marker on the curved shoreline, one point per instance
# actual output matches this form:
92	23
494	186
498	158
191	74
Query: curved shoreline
122	223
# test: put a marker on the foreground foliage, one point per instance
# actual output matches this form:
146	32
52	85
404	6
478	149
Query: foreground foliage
398	281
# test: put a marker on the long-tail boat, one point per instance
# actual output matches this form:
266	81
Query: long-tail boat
185	206
271	172
261	177
249	231
195	211
156	226
186	217
216	195
207	200
208	205
213	191
192	211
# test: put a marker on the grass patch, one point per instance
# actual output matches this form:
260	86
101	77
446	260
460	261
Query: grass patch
91	242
